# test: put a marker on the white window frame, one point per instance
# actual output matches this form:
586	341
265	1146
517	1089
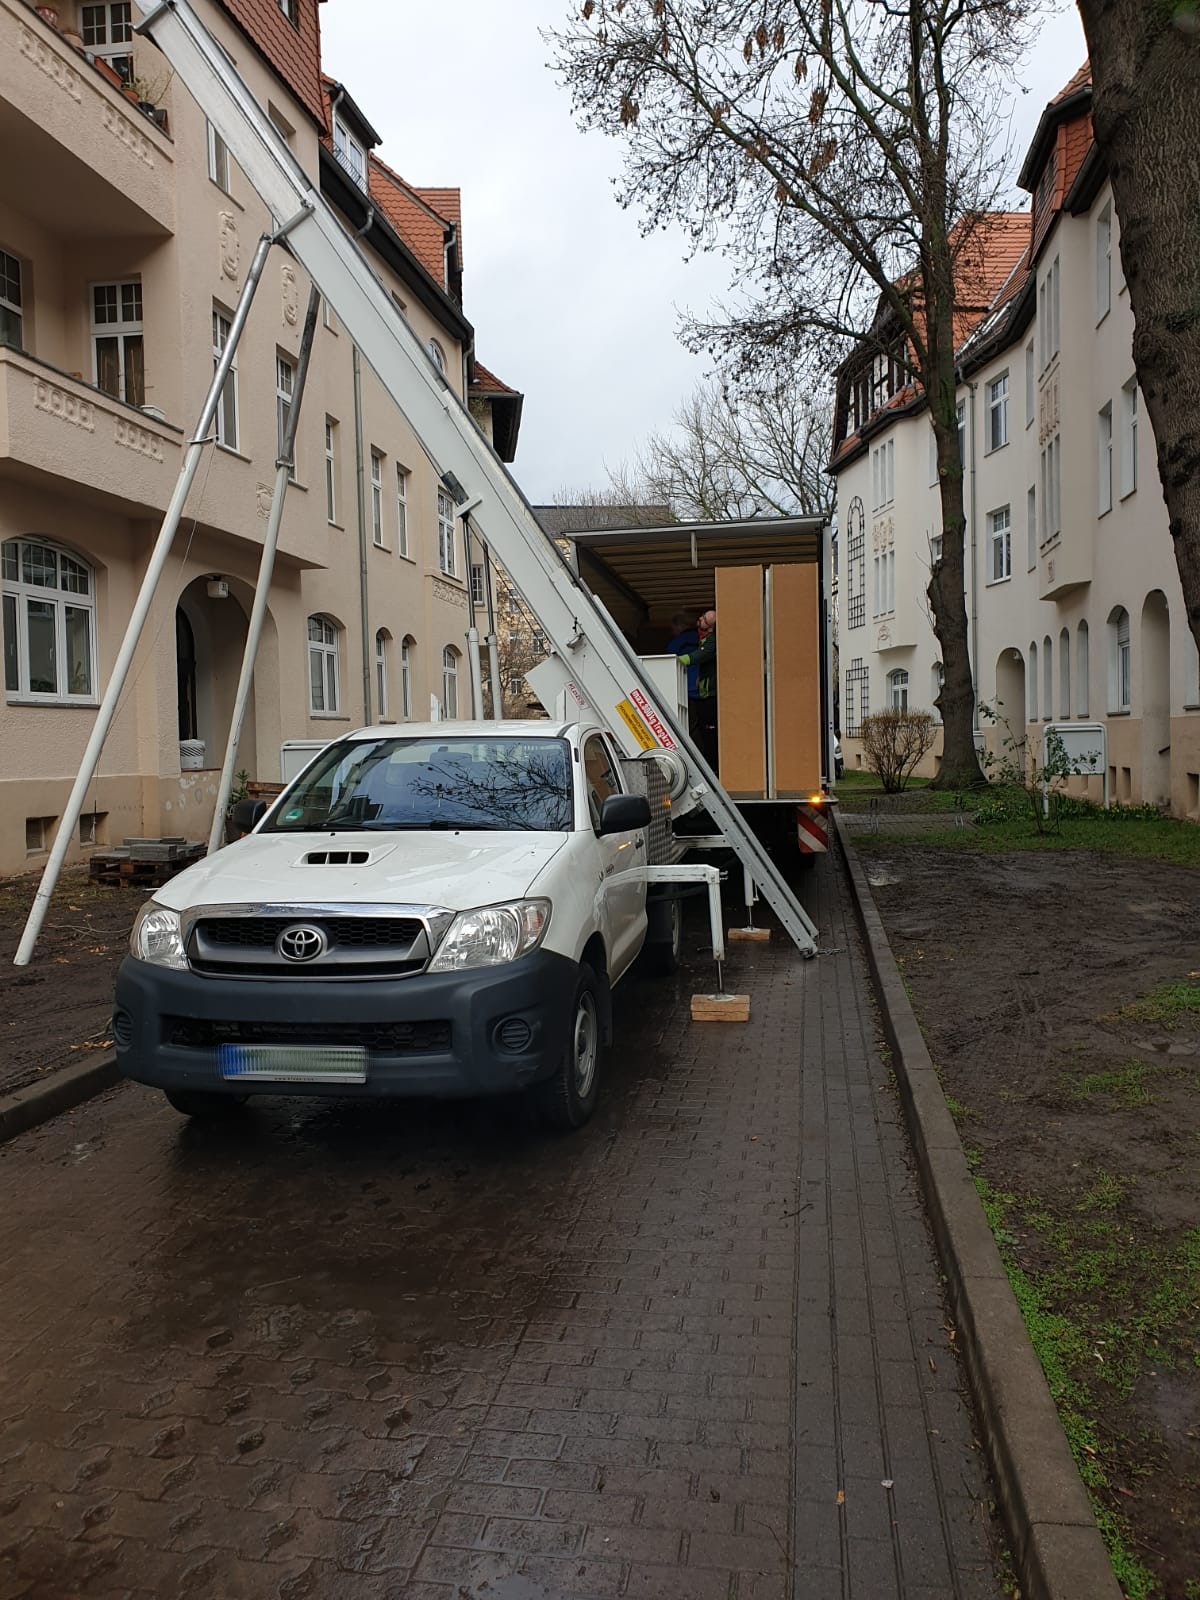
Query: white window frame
1051	496
1031	526
228	425
437	355
377	459
897	689
999	525
218	159
112	40
1129	438
406	698
1031	685
18	594
1104	460
291	10
351	154
124	328
478	594
450	683
381	671
324	649
1120	661
1049	314
1082	692
447	542
1064	674
12	309
1104	263
331	471
1030	385
285	394
401	509
1047	679
997	403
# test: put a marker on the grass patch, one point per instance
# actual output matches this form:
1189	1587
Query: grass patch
1105	1303
1161	839
1124	1086
856	790
1167	1005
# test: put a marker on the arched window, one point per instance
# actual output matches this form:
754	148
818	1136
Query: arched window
1081	668
437	355
937	682
49	622
406	671
1047	679
1033	683
1120	661
450	682
1064	674
383	640
323	687
897	689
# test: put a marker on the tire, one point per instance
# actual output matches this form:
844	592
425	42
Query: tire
664	942
204	1103
568	1099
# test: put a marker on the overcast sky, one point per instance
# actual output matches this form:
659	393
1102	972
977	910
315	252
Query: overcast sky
570	304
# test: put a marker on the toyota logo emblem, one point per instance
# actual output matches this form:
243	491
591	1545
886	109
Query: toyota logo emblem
301	943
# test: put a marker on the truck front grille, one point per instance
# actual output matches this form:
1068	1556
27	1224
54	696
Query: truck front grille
351	946
385	1038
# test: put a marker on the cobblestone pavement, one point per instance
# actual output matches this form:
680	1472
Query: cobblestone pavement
432	1352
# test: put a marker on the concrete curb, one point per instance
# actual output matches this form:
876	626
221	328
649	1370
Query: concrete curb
1056	1546
58	1092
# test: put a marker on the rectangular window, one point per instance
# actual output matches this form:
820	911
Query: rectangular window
883	474
227	406
381	674
997	400
117	340
350	153
858	697
1030	385
1104	460
856	571
48	611
1049	315
11	311
1124	674
377	497
406	681
1129	435
218	158
323	687
285	388
107	31
1051	492
401	509
1031	527
1104	263
447	555
330	470
477	591
1000	544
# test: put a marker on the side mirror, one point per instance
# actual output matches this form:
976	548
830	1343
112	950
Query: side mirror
621	813
247	814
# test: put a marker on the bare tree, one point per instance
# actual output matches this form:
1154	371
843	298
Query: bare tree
742	450
841	150
1145	61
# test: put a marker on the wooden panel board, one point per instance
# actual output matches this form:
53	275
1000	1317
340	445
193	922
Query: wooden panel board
795	709
741	715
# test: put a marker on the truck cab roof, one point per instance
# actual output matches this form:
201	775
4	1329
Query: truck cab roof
524	728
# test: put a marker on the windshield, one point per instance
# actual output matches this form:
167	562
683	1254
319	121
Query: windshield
440	782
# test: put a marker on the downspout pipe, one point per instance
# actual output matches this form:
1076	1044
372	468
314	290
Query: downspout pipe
973	449
360	469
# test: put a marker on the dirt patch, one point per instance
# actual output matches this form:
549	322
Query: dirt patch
56	1010
1079	1102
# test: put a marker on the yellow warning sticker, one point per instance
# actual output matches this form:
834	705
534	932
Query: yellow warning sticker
636	726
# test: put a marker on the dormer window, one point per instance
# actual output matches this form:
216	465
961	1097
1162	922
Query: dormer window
291	10
350	153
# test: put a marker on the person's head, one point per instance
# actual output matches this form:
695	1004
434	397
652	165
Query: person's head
681	622
706	623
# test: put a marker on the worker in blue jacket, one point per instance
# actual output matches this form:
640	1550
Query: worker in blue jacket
702	712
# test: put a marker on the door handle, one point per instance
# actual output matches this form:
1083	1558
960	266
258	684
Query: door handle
641	844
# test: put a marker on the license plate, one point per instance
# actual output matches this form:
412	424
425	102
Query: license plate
288	1063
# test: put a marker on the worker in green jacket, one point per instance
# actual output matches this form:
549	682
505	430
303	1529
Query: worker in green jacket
703	709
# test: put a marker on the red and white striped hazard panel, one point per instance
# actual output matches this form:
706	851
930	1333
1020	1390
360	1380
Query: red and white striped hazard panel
812	828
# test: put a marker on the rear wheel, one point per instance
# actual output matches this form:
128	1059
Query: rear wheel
568	1099
203	1103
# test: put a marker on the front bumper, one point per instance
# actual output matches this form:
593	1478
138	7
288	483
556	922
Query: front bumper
445	1035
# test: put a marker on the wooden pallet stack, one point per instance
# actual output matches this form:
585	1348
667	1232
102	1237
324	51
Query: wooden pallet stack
143	863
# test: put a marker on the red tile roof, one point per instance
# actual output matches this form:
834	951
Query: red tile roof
488	383
294	53
1081	80
421	226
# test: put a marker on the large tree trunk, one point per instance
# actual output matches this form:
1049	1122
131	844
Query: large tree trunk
1146	112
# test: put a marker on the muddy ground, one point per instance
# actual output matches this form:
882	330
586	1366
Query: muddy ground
56	1010
1080	1108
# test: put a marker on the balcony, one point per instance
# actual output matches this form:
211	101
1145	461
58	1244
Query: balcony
91	163
54	427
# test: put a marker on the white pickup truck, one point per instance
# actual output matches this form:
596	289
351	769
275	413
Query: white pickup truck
440	909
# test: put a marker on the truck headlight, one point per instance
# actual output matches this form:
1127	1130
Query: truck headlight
491	935
158	938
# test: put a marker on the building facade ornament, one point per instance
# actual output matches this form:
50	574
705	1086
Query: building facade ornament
51	63
229	246
141	440
64	405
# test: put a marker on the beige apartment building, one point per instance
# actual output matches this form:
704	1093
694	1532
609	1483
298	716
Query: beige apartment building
126	230
1073	596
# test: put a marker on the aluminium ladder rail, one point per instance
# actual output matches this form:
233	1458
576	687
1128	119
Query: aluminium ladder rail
594	652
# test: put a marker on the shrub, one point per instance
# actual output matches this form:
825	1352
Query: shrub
893	743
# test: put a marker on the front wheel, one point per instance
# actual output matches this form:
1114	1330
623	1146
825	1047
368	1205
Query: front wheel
203	1103
568	1099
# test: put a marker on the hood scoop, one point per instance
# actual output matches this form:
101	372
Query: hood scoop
337	858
